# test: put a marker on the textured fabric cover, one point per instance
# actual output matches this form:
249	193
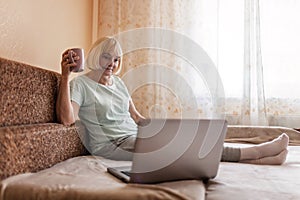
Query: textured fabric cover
28	94
29	148
30	138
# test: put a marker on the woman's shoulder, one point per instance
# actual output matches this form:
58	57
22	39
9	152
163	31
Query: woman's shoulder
80	79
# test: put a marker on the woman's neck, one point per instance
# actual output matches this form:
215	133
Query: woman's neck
105	80
99	77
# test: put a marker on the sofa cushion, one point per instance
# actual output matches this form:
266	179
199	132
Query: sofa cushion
30	148
28	94
85	177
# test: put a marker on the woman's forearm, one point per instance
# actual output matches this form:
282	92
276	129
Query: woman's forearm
135	115
64	109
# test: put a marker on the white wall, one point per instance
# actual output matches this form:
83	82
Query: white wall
38	31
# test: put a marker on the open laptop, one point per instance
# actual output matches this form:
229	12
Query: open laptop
175	149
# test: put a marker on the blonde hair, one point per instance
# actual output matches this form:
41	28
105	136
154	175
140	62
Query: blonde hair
103	45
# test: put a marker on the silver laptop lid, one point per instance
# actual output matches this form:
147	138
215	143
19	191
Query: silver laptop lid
175	149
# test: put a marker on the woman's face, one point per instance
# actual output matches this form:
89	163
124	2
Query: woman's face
109	61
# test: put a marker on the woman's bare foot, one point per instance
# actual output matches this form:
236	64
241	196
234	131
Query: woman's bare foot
273	160
267	149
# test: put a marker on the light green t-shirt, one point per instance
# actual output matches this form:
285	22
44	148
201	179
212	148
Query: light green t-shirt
104	110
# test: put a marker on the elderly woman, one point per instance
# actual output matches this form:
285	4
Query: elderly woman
101	101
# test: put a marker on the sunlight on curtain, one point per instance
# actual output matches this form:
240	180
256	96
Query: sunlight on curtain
239	62
280	31
267	41
274	86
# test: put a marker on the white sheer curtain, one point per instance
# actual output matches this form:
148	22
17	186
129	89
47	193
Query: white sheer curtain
253	43
253	102
258	61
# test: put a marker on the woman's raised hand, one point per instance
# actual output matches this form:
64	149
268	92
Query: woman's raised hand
66	63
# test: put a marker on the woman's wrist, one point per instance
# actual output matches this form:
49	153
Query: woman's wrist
65	78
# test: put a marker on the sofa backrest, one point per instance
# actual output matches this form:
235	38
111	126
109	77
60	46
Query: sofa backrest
27	94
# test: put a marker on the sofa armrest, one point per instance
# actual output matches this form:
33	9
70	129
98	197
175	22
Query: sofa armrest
30	148
259	134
